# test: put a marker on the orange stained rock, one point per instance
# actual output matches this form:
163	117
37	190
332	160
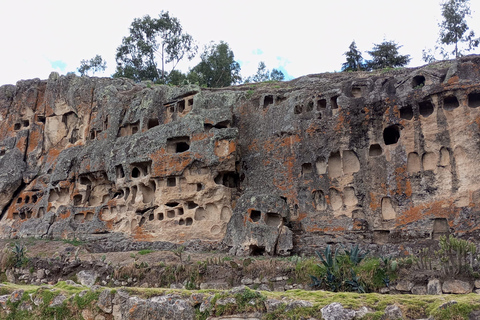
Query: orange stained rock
453	80
168	164
140	235
34	139
21	143
65	215
201	136
224	148
436	209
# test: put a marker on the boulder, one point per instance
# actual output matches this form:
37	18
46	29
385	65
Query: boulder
392	312
434	287
87	278
335	311
105	301
457	286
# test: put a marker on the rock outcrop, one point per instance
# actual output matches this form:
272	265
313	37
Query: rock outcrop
387	157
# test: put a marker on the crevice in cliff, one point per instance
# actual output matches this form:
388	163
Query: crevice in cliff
20	188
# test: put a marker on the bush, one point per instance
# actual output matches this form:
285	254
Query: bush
351	270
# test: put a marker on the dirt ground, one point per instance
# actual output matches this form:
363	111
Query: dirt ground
51	248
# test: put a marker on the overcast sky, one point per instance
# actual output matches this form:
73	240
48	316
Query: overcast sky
299	37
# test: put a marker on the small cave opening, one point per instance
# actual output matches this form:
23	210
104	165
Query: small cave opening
255	215
222	125
406	112
391	134
450	103
474	99
34	198
152	123
426	108
171	182
134	128
190	102
256	250
321	104
19	200
181	222
160	216
267	100
191	205
2	152
171	204
119	194
17	126
26	123
307	169
418	82
78	217
29	214
309	106
298	109
142	221
178	144
41	118
357	91
375	150
333	102
180	211
85	181
188	221
273	219
119	171
77	199
199	186
170	214
229	179
89	216
182	147
181	106
151	217
135	172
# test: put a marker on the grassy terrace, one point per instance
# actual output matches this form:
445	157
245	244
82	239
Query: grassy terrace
412	306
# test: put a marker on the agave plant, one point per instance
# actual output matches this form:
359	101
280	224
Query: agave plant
354	254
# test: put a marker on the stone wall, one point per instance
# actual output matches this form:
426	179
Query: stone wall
387	158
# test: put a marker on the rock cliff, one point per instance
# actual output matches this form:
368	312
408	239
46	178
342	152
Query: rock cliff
387	158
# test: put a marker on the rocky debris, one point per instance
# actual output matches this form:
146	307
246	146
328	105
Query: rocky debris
392	312
335	311
456	286
57	301
105	301
87	278
434	287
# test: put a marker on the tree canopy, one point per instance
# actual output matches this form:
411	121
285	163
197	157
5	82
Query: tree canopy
217	67
150	37
354	59
454	28
386	55
95	64
263	74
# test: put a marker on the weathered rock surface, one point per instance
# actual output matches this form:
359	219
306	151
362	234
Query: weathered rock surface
383	158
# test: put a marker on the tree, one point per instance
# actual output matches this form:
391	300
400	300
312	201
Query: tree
385	55
149	37
354	59
277	75
263	74
217	67
95	64
454	29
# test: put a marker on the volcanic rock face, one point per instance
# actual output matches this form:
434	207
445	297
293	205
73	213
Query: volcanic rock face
384	157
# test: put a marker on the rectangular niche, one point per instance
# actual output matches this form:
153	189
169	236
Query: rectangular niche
178	144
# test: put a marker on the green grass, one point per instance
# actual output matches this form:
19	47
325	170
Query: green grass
145	251
412	306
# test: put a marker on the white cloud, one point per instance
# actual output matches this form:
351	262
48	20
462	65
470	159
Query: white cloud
310	37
